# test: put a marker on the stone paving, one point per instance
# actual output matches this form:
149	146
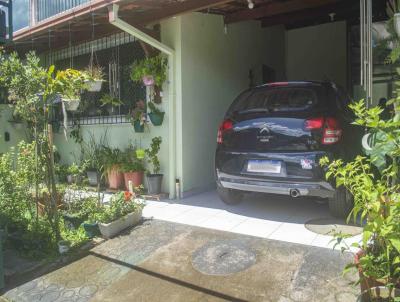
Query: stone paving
163	261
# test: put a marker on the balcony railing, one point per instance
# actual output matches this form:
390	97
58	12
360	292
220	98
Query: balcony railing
49	8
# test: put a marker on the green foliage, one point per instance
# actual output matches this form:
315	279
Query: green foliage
107	99
373	181
121	204
152	154
95	72
138	114
28	234
69	83
131	163
93	152
111	158
154	66
24	80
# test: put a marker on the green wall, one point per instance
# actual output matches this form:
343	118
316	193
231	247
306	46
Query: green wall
317	53
17	132
215	69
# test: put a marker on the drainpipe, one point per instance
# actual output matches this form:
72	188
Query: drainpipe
126	27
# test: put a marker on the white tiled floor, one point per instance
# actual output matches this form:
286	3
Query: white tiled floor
266	216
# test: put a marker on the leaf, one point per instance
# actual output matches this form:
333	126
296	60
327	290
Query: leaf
396	243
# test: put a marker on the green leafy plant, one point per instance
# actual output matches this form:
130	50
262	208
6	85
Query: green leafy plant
111	158
131	163
107	99
152	154
73	169
138	114
70	82
154	66
32	90
121	204
373	181
95	72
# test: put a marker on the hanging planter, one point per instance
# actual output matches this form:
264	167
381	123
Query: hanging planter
156	118
71	104
150	71
138	126
148	80
95	74
156	115
94	86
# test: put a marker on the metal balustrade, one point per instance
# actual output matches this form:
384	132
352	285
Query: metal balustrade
49	8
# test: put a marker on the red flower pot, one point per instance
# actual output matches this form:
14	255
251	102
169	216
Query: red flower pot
135	177
115	178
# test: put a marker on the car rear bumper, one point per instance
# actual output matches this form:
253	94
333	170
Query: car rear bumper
320	189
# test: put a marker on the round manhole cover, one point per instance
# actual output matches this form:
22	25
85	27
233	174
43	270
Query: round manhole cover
325	226
223	258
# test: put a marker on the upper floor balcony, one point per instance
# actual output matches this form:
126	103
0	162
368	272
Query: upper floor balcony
45	9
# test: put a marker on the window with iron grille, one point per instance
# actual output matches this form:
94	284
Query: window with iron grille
91	110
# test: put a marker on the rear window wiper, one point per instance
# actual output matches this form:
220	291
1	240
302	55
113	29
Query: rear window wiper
256	110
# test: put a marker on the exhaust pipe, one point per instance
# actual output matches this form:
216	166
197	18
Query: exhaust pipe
294	193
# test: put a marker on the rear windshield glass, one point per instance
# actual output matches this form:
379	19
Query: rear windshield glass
280	99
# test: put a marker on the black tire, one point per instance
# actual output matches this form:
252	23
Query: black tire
341	204
229	196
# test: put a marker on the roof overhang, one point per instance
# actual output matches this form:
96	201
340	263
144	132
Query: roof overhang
77	25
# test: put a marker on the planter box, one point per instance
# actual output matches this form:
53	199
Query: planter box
109	230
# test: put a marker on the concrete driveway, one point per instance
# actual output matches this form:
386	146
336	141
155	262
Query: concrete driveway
164	261
266	216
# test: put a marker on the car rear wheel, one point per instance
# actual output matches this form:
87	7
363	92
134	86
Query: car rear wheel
229	196
341	204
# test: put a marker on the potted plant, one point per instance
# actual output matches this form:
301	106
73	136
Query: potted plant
133	169
154	179
69	83
73	172
93	160
374	182
156	115
63	246
95	78
112	162
109	102
138	116
150	71
123	211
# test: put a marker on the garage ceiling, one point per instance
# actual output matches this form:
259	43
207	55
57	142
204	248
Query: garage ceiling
77	23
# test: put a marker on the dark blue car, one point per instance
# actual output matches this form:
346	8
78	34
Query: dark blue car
273	136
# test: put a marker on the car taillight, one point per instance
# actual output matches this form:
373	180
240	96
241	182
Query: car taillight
225	126
314	123
332	131
330	127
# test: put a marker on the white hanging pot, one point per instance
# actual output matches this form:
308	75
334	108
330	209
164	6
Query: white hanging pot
94	86
396	20
71	104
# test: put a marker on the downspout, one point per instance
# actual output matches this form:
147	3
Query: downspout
126	27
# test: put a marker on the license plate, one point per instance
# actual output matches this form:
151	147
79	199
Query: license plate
264	166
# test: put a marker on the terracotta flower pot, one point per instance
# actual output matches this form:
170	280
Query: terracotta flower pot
135	177
115	178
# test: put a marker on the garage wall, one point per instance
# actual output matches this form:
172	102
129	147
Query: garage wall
215	69
317	53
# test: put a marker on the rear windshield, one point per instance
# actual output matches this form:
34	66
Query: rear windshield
280	99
